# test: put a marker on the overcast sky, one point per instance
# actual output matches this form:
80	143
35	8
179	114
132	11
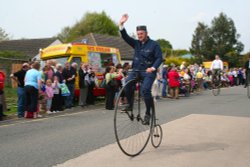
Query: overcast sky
173	20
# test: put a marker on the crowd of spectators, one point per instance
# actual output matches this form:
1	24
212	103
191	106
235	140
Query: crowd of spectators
41	89
174	81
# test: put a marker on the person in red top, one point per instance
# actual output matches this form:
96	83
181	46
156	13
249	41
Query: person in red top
174	82
2	78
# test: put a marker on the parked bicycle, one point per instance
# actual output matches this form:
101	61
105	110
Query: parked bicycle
131	134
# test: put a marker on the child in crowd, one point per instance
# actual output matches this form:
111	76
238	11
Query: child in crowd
56	100
49	95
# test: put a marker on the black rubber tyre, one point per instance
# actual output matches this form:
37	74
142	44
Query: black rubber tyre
156	135
131	135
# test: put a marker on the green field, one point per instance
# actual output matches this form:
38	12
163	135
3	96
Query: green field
11	100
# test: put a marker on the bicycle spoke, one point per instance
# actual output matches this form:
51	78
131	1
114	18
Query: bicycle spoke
131	135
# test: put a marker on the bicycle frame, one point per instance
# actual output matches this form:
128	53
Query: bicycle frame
137	80
141	132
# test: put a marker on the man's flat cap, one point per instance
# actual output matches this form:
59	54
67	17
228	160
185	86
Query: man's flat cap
138	28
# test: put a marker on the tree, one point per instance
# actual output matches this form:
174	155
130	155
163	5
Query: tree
64	33
198	41
164	45
221	38
90	23
3	35
225	37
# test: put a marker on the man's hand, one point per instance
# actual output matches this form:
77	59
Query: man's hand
123	19
150	70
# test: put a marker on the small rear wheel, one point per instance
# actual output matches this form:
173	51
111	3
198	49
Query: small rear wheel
156	135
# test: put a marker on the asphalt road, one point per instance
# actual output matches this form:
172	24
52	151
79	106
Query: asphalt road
53	140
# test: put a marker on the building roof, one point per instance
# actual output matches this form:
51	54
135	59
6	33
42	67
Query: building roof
126	51
30	47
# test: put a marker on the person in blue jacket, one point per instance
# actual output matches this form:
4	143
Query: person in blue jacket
147	58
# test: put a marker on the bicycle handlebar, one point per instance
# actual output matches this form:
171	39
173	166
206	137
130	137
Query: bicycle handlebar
132	70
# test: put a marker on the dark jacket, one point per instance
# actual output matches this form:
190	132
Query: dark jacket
146	55
82	75
247	64
68	73
59	76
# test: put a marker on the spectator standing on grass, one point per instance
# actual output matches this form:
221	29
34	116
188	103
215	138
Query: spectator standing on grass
2	79
240	76
84	72
174	83
32	84
164	81
74	69
18	77
199	79
51	71
56	104
110	89
41	94
49	95
69	75
119	80
235	77
230	76
183	65
93	82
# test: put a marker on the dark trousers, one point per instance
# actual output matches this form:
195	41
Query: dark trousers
31	98
247	78
69	99
110	96
1	104
20	102
56	103
235	80
146	86
90	95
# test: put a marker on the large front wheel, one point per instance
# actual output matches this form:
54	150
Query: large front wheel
130	133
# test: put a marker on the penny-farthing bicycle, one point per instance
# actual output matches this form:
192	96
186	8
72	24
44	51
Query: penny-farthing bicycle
216	83
131	134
